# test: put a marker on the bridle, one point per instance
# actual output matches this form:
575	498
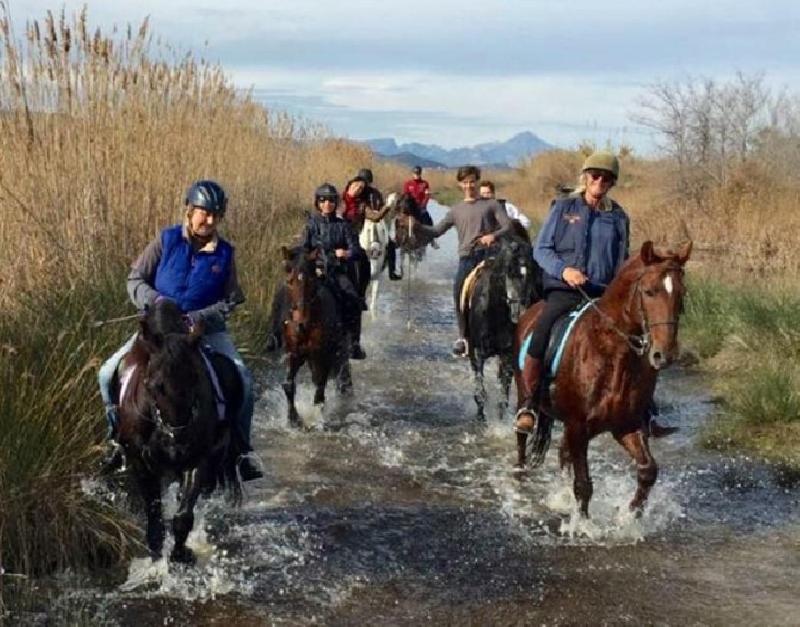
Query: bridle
638	343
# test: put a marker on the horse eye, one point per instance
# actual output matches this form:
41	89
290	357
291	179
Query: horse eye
649	292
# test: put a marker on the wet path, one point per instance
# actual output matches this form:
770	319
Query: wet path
396	507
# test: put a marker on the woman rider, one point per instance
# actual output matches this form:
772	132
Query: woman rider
583	244
192	265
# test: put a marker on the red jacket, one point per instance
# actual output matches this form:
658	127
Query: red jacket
419	191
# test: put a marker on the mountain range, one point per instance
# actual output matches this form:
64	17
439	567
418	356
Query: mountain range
496	154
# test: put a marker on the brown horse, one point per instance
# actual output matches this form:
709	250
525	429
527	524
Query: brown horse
170	424
608	372
314	329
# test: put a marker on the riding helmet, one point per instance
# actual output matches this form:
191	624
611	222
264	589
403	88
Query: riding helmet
365	174
602	161
326	191
209	195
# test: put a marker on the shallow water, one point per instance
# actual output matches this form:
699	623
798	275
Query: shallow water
397	507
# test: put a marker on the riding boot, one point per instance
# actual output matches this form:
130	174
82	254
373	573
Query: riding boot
354	328
531	380
391	257
248	469
114	457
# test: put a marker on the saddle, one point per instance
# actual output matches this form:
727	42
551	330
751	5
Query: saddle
468	287
559	336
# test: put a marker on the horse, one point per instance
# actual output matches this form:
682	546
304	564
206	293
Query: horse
314	331
170	422
374	239
497	292
609	366
411	240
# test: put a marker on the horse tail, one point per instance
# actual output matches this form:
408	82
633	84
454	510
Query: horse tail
539	443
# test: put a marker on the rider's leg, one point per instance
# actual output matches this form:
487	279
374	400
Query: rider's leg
557	303
104	378
280	313
465	266
352	306
222	343
391	257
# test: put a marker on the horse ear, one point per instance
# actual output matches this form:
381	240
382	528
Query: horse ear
684	252
147	338
648	253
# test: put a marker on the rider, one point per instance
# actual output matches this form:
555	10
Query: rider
488	191
478	221
582	245
327	231
419	189
192	265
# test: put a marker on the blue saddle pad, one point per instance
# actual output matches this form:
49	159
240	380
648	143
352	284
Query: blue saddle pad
559	336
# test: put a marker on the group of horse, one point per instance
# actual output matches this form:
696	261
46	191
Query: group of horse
604	382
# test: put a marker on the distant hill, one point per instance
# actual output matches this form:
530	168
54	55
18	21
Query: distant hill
507	153
410	159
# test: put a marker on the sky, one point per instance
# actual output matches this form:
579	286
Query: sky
458	73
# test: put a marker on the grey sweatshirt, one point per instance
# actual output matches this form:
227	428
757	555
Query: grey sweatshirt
472	220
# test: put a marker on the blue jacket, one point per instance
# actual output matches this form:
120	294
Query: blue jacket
193	279
574	235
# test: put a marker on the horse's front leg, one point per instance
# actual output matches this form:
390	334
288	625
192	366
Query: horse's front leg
373	299
480	389
505	372
289	387
576	443
183	521
150	488
638	447
320	368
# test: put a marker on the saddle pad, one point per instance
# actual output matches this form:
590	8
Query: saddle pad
559	336
218	395
125	376
469	286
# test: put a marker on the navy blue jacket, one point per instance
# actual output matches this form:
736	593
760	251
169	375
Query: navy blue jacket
193	279
575	235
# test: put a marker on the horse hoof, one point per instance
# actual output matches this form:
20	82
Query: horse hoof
182	555
519	470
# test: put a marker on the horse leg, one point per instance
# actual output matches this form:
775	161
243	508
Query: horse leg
480	389
635	442
150	488
183	521
373	299
576	441
289	387
319	375
505	372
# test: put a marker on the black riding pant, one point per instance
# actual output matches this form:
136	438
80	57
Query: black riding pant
465	266
556	304
425	217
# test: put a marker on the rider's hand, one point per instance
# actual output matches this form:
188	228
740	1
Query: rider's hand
487	240
573	277
340	253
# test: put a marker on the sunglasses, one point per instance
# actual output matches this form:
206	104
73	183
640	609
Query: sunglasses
604	176
327	199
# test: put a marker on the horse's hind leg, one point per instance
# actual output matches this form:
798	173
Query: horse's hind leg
576	443
373	299
183	521
480	388
638	448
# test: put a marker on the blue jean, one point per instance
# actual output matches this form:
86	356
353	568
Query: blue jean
221	343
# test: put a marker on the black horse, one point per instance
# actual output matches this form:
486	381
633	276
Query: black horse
170	424
506	284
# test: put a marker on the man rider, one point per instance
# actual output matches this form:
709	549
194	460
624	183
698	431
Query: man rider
479	223
419	189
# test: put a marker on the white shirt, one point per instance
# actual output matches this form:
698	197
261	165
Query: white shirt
515	214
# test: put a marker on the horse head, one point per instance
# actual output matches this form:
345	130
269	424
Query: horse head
512	267
303	269
172	373
654	301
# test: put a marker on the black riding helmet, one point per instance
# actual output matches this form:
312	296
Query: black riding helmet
326	191
365	174
209	195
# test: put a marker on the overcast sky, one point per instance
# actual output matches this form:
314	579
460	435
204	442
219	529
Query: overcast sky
446	72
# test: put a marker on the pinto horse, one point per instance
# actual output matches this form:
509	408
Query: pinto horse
374	239
607	375
170	422
314	330
411	240
503	288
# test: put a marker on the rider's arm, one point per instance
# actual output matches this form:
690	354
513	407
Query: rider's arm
214	316
143	275
353	247
502	219
544	251
439	228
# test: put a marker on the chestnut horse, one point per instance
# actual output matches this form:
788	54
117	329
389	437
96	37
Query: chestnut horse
607	375
170	422
314	330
